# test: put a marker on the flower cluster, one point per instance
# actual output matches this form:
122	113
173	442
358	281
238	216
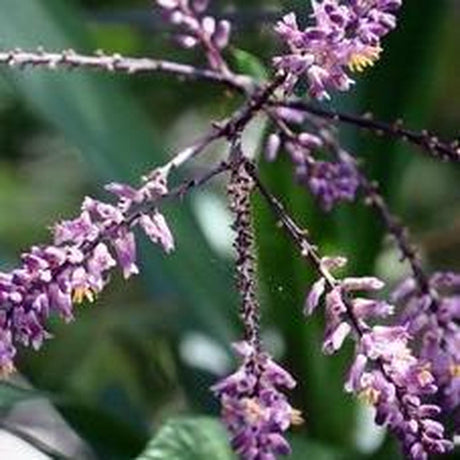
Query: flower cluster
331	182
438	326
385	373
198	28
346	34
254	409
54	278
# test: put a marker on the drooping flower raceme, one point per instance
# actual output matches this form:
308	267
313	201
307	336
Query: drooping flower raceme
253	405
54	278
345	36
254	408
385	373
437	326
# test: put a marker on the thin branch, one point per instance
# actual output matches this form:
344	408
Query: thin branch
230	128
401	235
300	237
430	143
69	59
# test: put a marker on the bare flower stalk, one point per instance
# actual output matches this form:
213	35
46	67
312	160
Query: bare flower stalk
429	142
116	63
239	191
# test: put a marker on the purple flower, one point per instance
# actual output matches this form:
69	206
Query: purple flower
345	34
254	409
157	230
385	373
331	182
434	319
53	279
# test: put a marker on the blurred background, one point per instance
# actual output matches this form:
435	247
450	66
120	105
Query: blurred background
149	349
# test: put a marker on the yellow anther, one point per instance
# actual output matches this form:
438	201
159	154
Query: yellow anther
296	417
6	370
370	396
254	411
82	293
455	370
358	62
425	377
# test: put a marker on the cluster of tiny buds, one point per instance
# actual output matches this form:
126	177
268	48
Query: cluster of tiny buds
198	28
331	181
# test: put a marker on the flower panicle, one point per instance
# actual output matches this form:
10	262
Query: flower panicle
52	279
345	36
255	409
330	181
434	318
385	372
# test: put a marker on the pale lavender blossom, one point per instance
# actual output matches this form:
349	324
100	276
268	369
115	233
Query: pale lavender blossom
344	35
52	279
198	28
254	408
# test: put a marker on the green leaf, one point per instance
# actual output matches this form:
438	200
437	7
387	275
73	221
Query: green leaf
249	64
189	439
12	394
305	448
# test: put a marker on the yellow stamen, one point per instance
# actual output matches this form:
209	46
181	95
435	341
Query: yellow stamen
424	376
296	417
360	61
6	370
369	396
82	293
254	410
455	370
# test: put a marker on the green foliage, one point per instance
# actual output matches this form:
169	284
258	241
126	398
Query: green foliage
11	394
249	64
189	439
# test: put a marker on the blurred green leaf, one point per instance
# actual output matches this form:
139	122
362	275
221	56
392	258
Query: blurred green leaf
304	448
110	437
189	439
11	394
249	64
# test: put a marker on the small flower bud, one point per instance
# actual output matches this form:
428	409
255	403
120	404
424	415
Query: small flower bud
222	35
272	147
